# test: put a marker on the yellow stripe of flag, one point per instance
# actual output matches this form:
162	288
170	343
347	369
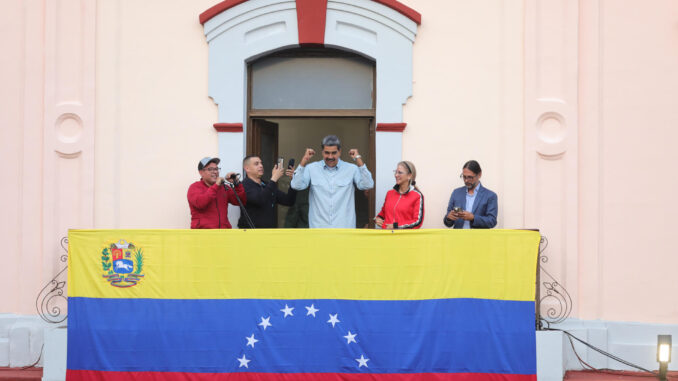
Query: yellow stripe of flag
309	264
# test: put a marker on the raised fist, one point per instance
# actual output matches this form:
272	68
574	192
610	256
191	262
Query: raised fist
307	156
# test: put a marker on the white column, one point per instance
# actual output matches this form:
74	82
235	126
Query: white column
231	154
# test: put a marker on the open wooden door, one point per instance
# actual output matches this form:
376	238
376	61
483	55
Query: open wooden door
264	143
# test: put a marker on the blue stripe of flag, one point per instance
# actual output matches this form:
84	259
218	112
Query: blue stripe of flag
441	336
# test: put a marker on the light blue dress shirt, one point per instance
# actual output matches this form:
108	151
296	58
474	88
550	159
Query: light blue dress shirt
470	199
331	196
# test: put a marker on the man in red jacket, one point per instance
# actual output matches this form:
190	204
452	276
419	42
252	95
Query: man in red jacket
208	198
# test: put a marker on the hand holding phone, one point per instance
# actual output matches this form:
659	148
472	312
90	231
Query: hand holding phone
278	170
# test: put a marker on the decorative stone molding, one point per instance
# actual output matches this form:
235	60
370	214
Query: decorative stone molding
228	127
68	125
391	127
551	133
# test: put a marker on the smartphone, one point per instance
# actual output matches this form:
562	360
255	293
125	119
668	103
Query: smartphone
281	161
457	209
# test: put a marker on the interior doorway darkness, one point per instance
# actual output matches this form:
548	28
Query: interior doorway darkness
296	97
289	137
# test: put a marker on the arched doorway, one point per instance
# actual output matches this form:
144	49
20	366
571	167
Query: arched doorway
239	32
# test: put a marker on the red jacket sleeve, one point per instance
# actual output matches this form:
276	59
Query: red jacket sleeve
241	193
199	198
381	213
416	213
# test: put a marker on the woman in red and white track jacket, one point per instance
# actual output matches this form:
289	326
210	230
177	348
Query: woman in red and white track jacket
404	204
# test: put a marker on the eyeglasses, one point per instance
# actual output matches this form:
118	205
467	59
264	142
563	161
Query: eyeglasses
399	172
213	169
470	178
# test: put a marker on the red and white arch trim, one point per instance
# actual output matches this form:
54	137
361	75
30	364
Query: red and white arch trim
239	31
311	16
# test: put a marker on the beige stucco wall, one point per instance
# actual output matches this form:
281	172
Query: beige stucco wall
11	156
478	75
628	182
154	118
467	103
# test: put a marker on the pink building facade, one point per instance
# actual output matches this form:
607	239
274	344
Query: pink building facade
569	106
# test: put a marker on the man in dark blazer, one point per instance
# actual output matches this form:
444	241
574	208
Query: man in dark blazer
471	206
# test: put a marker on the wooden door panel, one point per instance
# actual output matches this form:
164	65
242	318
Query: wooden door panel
264	143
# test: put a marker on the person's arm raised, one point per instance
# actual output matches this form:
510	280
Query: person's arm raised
302	179
362	178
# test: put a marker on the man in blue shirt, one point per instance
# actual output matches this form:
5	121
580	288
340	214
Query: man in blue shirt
471	206
331	181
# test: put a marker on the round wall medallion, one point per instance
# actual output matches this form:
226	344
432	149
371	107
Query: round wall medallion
68	128
551	128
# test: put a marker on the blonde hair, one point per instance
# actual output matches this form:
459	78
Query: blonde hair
412	170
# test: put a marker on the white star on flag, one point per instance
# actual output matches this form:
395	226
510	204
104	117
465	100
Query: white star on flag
362	361
333	320
311	310
251	340
265	322
351	337
287	311
243	362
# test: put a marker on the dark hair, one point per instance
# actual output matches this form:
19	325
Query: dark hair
472	166
331	140
244	161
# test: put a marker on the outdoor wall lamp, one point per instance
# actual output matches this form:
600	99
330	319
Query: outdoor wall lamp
663	354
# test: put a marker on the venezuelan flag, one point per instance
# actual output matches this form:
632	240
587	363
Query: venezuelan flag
301	305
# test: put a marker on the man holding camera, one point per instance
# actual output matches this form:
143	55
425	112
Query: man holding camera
471	206
261	196
209	197
331	183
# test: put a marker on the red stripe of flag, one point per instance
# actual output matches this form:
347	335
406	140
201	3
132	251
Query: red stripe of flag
95	375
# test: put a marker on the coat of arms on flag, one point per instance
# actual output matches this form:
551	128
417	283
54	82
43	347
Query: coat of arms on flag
122	263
